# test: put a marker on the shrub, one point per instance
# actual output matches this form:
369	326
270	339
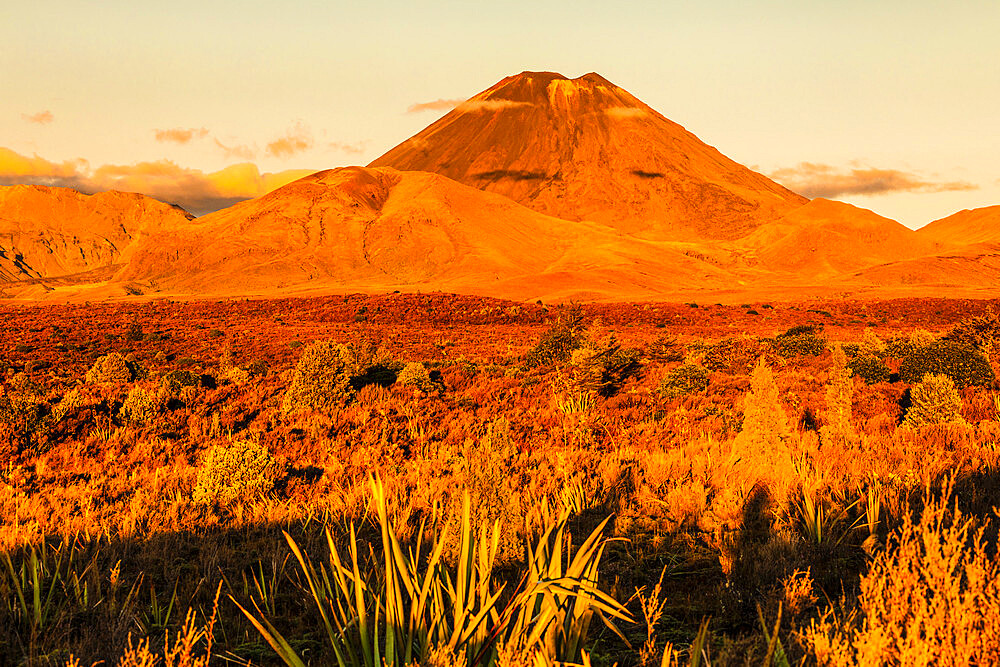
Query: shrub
934	400
979	332
683	380
871	345
140	406
322	378
604	367
800	340
415	374
22	411
111	369
932	597
733	355
174	381
871	369
241	469
965	365
665	349
556	345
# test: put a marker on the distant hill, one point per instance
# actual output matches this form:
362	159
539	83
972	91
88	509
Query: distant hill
585	149
55	232
979	225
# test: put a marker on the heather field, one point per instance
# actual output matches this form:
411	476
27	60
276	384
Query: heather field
445	480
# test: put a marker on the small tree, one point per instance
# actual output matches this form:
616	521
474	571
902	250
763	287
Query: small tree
839	394
765	425
322	378
935	400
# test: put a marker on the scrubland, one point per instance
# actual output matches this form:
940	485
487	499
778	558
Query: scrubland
444	480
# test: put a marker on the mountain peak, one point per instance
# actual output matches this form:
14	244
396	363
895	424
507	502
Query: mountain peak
586	149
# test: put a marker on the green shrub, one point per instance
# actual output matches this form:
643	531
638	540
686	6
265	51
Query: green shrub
111	369
237	470
965	365
934	400
415	374
871	369
140	406
557	344
733	355
22	411
800	340
665	349
979	332
604	367
174	381
322	378
683	380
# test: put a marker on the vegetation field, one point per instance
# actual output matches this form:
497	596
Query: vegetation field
444	480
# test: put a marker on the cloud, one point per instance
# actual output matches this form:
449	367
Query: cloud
822	180
242	152
195	190
626	112
296	140
180	135
40	118
436	105
351	149
490	105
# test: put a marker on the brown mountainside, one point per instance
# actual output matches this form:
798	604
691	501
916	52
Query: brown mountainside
585	149
381	229
979	225
52	232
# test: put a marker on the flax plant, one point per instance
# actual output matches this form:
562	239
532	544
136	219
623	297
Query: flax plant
416	605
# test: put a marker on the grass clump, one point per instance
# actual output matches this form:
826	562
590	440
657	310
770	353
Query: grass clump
240	469
964	364
934	400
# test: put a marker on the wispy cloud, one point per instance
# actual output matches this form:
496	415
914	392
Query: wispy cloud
40	118
296	140
822	180
239	151
180	135
491	105
351	149
195	190
435	105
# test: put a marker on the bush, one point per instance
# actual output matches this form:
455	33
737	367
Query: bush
965	365
665	349
979	332
871	369
683	380
557	344
800	340
871	345
111	369
415	374
934	400
604	367
322	378
765	425
733	355
174	381
241	469
140	406
22	411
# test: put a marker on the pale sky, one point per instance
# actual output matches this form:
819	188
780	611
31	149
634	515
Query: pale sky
892	106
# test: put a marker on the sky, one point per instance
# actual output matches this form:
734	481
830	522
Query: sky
890	105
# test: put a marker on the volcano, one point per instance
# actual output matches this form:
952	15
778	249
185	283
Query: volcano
586	149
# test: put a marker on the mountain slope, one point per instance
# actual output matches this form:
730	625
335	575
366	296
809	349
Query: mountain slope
979	225
585	149
53	232
825	238
379	229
